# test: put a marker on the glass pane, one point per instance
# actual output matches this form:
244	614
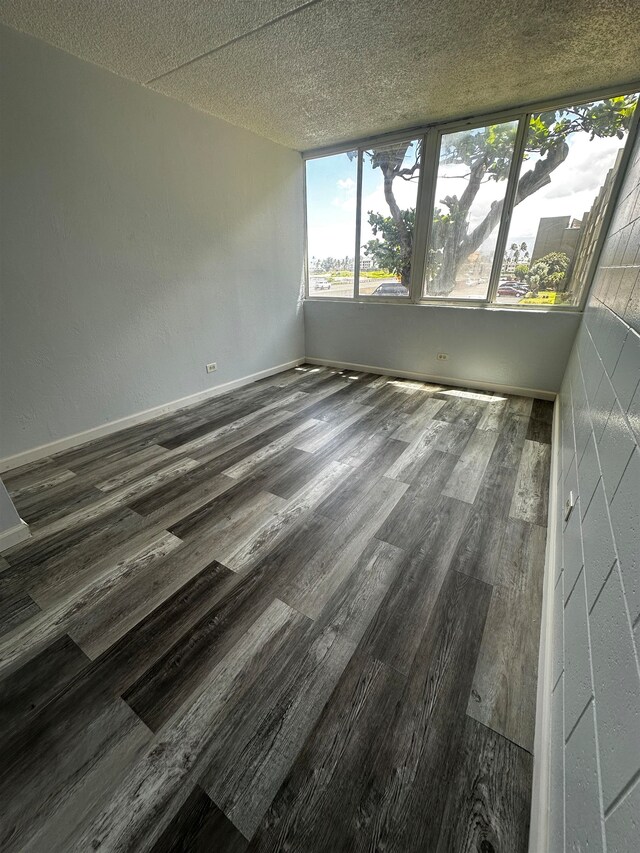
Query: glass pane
390	175
331	224
570	161
472	179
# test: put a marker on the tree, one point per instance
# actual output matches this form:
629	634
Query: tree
521	271
329	264
393	251
514	253
547	273
486	155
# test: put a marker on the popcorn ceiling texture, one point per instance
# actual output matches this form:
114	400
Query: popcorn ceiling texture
595	748
339	69
143	38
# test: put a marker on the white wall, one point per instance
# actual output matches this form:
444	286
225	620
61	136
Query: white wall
139	240
490	346
595	749
9	517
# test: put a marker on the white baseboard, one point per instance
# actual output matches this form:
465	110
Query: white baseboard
539	831
442	380
14	535
70	441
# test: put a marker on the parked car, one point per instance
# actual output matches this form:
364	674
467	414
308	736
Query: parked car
321	284
512	290
391	288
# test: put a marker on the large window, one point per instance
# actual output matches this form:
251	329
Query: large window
568	167
508	212
390	175
331	222
469	196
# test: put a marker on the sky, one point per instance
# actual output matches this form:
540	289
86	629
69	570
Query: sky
331	195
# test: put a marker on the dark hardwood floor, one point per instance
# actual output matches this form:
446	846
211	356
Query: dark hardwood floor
303	616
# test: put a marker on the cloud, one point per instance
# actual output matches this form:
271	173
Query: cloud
585	168
346	198
347	184
573	187
571	192
405	193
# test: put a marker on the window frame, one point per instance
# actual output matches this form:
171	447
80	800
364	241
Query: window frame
509	198
431	135
361	151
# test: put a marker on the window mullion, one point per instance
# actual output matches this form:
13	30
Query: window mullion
507	208
305	257
424	207
356	257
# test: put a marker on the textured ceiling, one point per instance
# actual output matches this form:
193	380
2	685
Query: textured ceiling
308	74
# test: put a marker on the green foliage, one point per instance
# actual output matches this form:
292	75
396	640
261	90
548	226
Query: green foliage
374	273
336	275
610	117
487	148
520	271
391	252
547	273
435	255
332	265
486	153
545	297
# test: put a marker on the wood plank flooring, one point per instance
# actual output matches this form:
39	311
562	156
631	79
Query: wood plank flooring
302	616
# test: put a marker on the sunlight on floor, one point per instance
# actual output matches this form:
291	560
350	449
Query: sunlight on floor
472	395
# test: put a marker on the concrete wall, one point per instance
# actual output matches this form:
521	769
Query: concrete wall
595	750
555	235
139	239
490	346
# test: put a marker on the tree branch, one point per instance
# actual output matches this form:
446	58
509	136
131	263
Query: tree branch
475	181
528	184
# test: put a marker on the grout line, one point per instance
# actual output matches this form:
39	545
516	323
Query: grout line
559	578
213	50
618	267
615	491
580	716
575	583
604	583
625	413
598	482
595	725
622	794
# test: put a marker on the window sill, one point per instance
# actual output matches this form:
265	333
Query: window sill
450	303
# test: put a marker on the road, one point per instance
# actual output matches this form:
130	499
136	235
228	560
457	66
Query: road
344	289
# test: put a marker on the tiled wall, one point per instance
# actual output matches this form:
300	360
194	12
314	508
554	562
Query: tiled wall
595	750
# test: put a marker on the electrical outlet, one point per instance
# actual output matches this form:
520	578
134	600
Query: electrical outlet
442	356
211	367
568	506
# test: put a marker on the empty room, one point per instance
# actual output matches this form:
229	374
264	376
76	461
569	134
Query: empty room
319	426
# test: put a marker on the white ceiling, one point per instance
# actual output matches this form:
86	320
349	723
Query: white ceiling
308	73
